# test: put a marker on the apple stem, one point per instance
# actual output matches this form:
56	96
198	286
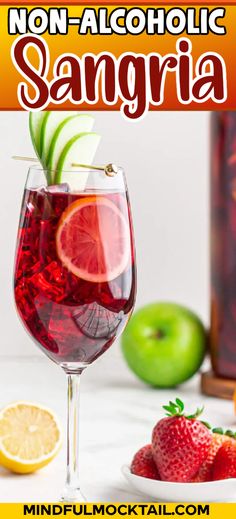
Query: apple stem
159	334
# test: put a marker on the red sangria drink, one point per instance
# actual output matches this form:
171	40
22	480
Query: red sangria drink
223	244
75	278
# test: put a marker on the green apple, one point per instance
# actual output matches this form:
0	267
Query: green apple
35	125
80	149
164	344
66	130
49	125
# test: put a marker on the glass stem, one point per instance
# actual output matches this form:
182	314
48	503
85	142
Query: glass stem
72	487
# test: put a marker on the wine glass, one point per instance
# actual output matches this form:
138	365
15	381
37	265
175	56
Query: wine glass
75	278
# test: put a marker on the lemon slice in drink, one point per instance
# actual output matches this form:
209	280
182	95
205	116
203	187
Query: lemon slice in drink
93	239
30	437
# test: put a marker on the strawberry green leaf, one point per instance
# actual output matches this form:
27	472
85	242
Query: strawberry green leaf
218	430
196	414
180	404
206	424
230	433
176	409
168	408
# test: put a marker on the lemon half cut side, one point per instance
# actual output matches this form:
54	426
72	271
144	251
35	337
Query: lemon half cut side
30	436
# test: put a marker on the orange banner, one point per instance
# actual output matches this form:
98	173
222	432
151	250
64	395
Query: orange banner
111	2
169	67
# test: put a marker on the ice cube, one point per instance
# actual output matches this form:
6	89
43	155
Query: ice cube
51	281
59	188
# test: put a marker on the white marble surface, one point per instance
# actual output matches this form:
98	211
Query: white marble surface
117	416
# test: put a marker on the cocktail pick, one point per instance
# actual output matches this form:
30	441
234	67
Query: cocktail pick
27	159
110	169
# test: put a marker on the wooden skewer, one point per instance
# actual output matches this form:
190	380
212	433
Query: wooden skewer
28	159
110	169
99	168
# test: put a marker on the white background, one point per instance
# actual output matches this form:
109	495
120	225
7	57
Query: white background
165	157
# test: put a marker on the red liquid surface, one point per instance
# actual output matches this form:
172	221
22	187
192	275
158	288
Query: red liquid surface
73	320
223	244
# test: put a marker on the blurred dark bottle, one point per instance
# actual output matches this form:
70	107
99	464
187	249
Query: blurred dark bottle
223	243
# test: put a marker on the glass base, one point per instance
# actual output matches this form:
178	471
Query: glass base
72	495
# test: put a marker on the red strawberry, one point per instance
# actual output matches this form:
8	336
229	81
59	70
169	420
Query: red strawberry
205	471
180	444
143	463
224	466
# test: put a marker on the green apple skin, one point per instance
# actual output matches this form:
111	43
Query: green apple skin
164	344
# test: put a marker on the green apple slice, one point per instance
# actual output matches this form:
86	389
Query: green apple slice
80	149
66	130
49	126
35	125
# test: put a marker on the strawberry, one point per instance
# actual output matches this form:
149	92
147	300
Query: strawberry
180	443
205	471
143	463
224	465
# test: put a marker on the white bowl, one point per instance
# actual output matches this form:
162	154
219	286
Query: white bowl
210	492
